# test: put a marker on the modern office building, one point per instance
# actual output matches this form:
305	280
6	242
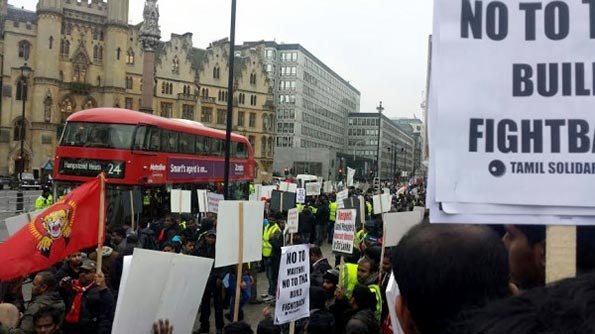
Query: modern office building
414	128
396	146
312	103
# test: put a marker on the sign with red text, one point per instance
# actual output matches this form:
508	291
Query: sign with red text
344	231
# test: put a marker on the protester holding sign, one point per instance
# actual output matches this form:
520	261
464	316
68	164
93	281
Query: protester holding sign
206	248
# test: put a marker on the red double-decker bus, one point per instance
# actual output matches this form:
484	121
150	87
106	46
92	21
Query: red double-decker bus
146	156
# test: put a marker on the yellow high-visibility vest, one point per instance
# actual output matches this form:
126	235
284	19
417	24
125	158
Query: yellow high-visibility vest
269	230
332	211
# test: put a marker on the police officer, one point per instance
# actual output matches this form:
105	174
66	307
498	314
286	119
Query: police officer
45	199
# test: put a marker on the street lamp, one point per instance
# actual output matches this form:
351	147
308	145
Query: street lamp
25	70
378	153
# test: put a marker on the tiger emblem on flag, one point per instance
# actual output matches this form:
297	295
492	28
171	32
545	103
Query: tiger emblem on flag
54	225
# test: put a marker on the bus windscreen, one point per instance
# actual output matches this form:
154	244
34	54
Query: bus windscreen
97	135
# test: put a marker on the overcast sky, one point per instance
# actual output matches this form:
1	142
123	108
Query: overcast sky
379	46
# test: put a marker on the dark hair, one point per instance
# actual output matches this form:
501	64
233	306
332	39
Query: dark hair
186	241
317	298
48	311
315	250
567	306
238	327
534	233
442	269
374	253
48	278
167	244
364	298
120	231
585	248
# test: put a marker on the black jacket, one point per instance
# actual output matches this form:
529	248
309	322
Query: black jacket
363	322
318	270
97	310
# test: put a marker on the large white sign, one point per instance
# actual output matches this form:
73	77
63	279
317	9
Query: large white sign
341	195
350	175
213	201
173	292
293	285
14	224
293	216
228	232
514	86
344	231
313	188
180	200
396	224
300	195
381	203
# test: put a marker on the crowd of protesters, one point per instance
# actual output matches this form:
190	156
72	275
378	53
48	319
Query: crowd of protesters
452	278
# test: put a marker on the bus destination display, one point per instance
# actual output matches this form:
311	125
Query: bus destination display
92	167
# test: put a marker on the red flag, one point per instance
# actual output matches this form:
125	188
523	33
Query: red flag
68	226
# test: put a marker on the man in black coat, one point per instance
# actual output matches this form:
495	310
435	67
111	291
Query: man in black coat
319	266
89	303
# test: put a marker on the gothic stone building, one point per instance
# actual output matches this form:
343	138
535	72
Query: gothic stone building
84	54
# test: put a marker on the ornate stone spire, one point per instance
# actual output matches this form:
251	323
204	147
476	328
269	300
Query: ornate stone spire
150	34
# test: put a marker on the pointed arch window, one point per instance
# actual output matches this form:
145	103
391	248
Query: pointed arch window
216	72
130	57
118	52
175	65
64	48
51	42
253	79
21	89
19	129
68	28
24	49
80	65
90	103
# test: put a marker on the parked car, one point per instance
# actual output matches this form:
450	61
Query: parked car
5	182
28	181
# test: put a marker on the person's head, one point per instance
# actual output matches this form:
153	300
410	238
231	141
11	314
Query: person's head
330	279
317	298
87	273
362	298
9	315
44	282
47	320
188	246
75	259
168	221
118	235
168	248
526	251
387	265
46	191
211	237
315	254
365	269
442	269
566	306
238	327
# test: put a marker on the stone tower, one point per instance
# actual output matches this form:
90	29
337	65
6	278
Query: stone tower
150	34
115	52
46	88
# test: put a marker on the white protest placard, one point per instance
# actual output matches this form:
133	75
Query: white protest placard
313	188
350	175
300	195
341	195
381	202
14	224
328	187
537	130
396	224
292	187
203	200
213	201
362	207
386	190
173	292
180	200
392	292
421	210
293	285
283	186
266	191
228	232
344	231
292	221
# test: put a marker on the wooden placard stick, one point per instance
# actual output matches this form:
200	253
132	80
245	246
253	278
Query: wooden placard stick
132	225
560	253
239	273
100	234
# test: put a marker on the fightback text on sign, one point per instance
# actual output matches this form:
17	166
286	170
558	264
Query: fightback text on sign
514	84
